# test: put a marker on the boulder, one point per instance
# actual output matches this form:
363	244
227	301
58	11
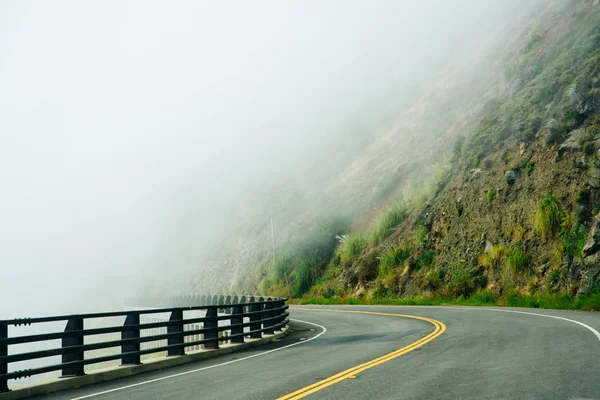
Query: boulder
511	176
475	173
594	179
580	163
589	274
592	245
572	143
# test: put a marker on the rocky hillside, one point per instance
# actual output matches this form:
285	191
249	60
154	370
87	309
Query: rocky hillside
516	213
488	184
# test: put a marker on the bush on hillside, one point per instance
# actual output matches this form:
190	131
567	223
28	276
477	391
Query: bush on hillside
304	275
549	216
517	259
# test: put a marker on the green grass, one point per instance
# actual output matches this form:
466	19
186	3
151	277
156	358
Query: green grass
490	195
304	275
574	241
426	259
421	236
549	216
529	167
393	256
517	259
351	247
386	221
426	191
281	267
480	298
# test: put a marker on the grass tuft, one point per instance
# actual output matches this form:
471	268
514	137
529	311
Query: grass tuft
386	221
351	246
304	275
517	259
393	257
549	216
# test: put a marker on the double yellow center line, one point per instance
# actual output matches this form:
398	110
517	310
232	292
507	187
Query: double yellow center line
351	372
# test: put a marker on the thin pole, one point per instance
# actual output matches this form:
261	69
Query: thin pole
272	229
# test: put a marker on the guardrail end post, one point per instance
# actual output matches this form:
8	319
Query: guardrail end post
3	364
176	315
133	333
73	324
211	324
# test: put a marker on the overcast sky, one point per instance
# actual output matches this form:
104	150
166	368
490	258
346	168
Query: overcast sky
128	129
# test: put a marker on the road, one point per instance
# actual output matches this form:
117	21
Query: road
452	353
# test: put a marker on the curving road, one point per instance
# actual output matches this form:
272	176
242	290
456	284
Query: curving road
449	353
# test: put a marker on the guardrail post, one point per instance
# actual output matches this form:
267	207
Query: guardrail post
211	324
176	315
255	319
73	324
133	333
269	314
237	317
3	353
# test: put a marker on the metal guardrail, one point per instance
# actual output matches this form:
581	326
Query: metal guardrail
265	315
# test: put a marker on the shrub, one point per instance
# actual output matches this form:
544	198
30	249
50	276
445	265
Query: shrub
517	259
555	132
459	208
351	246
462	280
264	286
518	233
425	260
282	265
393	257
386	221
529	167
433	279
304	275
458	145
421	236
573	240
493	259
549	216
476	160
490	196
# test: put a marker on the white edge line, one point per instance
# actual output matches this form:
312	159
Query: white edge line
209	367
595	332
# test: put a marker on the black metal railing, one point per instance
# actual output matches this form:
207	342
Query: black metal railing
264	316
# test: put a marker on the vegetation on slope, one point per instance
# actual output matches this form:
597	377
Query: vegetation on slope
506	219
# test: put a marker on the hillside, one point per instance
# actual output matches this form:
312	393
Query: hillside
486	186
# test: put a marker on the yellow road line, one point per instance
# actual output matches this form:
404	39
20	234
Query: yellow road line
351	372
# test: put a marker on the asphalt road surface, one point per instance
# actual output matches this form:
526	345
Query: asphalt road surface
450	353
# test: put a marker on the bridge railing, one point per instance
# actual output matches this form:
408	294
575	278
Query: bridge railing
222	314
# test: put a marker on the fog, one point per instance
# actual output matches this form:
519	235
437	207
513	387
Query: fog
134	135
